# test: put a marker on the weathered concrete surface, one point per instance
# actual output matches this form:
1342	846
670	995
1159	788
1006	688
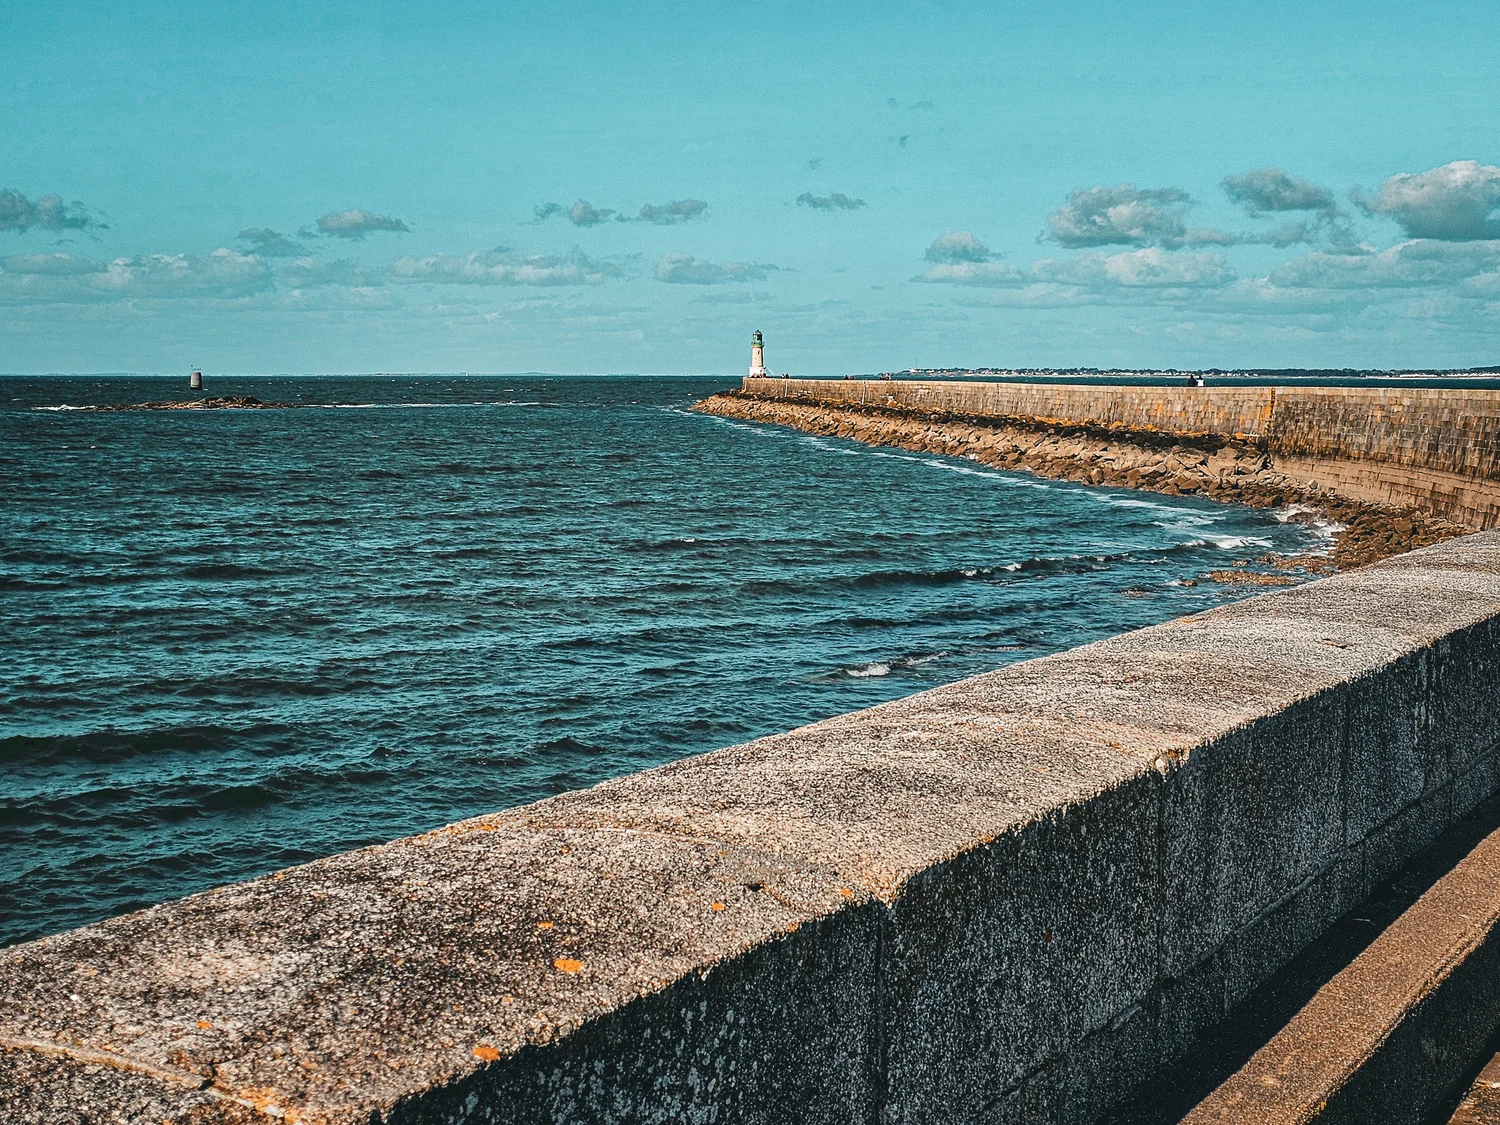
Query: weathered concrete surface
1481	1104
1006	899
1392	1033
1437	450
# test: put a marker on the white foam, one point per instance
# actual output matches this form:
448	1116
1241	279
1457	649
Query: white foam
1237	542
865	671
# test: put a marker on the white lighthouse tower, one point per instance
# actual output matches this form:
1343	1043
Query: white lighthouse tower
757	356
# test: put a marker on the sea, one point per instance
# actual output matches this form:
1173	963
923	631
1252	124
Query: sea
231	641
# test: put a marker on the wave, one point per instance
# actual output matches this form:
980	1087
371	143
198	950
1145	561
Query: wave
110	745
878	668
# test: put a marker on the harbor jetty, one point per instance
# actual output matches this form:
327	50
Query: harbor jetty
1396	468
1022	897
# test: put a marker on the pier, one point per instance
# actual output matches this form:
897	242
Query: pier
1023	896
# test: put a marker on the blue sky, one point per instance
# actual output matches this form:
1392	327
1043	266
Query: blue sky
438	187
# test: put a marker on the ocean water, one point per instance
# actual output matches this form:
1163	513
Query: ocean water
233	641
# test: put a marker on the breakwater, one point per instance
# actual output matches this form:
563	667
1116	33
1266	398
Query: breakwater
1234	468
1433	451
1007	899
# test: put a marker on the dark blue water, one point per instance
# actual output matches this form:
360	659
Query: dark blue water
232	641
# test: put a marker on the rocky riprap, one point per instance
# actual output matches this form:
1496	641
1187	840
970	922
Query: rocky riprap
227	402
1232	469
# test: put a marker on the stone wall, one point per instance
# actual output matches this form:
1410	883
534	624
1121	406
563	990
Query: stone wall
1211	410
1006	899
1433	449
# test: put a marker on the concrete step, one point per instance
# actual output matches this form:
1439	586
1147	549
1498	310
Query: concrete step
1480	1105
1385	1019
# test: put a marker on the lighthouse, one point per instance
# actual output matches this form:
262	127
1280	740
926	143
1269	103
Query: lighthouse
757	356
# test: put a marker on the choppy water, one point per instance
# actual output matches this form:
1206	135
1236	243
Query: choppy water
233	641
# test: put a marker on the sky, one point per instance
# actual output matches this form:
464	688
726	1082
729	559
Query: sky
388	186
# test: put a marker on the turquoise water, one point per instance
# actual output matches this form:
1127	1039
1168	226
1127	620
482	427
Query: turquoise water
233	641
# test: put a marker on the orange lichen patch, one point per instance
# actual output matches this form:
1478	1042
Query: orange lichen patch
268	1100
204	1025
845	891
507	1000
485	1052
544	925
486	828
567	965
716	906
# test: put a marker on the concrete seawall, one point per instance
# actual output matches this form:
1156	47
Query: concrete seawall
1433	449
1007	899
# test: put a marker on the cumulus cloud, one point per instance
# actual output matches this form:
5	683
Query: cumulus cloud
1454	203
973	273
1125	215
958	246
585	214
677	211
503	266
1414	264
64	278
307	273
1268	191
837	201
224	273
18	213
355	224
269	244
684	269
1148	267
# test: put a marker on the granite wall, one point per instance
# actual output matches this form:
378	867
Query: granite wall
1007	899
1433	449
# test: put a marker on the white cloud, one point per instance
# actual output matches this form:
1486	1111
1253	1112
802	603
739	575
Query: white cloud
973	273
1420	262
506	267
63	278
1125	215
836	201
684	269
677	211
18	213
355	224
307	273
1454	203
1270	190
269	243
1148	267
958	246
585	214
1096	270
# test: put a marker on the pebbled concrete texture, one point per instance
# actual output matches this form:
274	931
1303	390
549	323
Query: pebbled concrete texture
1006	899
